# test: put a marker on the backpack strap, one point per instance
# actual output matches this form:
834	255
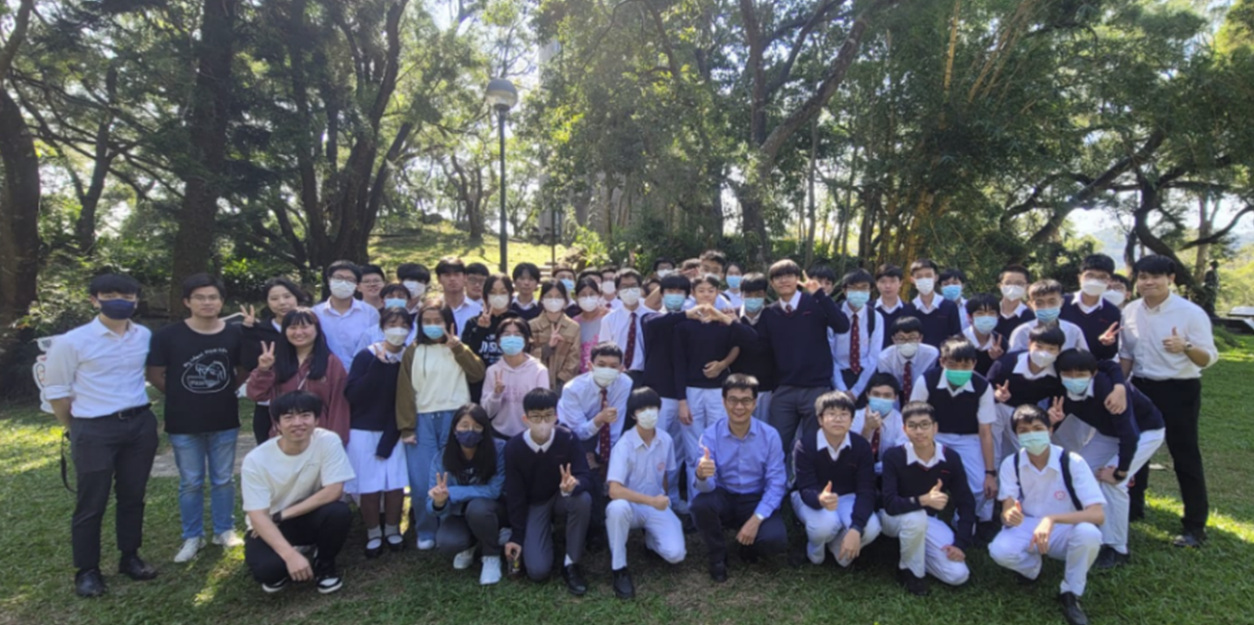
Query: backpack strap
1066	480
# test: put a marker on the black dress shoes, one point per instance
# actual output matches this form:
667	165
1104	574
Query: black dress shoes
89	583
575	582
623	588
136	569
1071	609
718	571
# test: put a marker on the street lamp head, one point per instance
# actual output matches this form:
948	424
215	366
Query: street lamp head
502	95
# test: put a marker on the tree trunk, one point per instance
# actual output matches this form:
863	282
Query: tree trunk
1150	201
19	213
813	216
89	201
1204	222
210	110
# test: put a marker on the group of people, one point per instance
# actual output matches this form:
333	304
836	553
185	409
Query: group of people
698	399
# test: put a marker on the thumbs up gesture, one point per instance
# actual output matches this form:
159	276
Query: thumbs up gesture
828	499
1110	335
439	492
705	467
1175	343
568	482
935	499
1002	393
1012	516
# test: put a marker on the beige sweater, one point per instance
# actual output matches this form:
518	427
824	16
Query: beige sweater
433	378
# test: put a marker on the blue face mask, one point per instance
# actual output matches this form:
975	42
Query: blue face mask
857	299
1048	315
733	282
394	302
880	405
754	305
433	332
512	345
1035	442
569	284
984	324
951	292
469	438
1076	386
117	309
674	302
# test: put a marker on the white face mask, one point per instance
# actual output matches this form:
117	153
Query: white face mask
925	285
604	376
662	273
1093	288
647	418
1012	292
908	350
342	289
498	302
630	296
415	288
589	303
396	336
554	304
1042	358
1114	297
541	432
608	287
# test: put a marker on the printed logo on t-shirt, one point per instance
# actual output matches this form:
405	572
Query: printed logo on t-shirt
206	372
1059	495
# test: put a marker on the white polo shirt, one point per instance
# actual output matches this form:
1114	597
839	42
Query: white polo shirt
1043	491
640	467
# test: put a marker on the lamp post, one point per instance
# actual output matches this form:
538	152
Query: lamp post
502	96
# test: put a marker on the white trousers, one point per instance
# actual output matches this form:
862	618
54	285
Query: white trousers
923	541
706	407
968	448
1076	544
1103	451
827	528
668	421
663	533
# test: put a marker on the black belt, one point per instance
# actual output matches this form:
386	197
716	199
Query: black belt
129	413
121	415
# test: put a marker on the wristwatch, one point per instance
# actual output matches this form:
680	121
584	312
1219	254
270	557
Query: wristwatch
1187	346
990	472
277	517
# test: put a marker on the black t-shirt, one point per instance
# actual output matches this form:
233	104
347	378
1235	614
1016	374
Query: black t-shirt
199	377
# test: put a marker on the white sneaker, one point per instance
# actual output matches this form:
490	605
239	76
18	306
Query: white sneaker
463	560
491	573
426	544
190	548
228	539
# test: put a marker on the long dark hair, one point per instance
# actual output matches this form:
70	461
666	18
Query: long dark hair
484	462
285	362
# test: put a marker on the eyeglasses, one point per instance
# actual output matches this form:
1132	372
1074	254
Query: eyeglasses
837	416
542	417
740	401
919	426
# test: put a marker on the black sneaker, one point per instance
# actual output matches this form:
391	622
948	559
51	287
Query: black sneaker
89	583
1024	580
270	589
136	569
689	525
329	580
1071	609
1108	558
986	531
623	588
575	582
916	586
1190	540
718	571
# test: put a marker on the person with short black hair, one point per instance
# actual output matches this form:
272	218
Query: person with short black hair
624	325
1097	318
453	276
94	379
293	485
464	492
566	275
659	367
196	365
663	266
981	330
372	282
733	276
1046	298
348	324
1119	292
890	306
1012	282
526	278
416	279
476	276
952	281
756	359
281	295
940	317
908	357
856	353
879	421
394	296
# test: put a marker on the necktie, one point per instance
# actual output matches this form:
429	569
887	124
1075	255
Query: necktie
855	349
603	437
631	343
875	442
787	309
907	384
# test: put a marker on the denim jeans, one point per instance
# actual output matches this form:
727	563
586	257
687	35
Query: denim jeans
192	452
432	432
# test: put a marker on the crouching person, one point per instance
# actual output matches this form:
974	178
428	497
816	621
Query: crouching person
465	493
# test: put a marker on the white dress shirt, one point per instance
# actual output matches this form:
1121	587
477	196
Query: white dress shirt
101	372
639	467
581	401
1145	328
616	326
1023	367
350	331
891	432
1074	335
462	315
891	361
869	346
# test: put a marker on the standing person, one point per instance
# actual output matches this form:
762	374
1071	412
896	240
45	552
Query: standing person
624	326
281	295
741	481
591	311
1167	342
663	266
659	367
856	353
95	382
347	323
555	337
908	357
293	485
526	278
301	361
952	281
609	286
452	275
476	278
371	286
465	494
940	317
434	380
195	363
511	378
1117	293
826	277
480	335
566	276
890	306
394	296
1097	318
1013	283
981	330
756	359
1046	297
374	448
416	279
733	278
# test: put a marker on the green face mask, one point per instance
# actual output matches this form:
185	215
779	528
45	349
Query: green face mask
958	377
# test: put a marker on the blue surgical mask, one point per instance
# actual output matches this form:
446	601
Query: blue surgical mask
754	305
674	302
117	309
433	332
469	438
395	302
984	324
857	299
733	282
1048	315
569	284
951	292
880	405
512	345
1035	442
1076	386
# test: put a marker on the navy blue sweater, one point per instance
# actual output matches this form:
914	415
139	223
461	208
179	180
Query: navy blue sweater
955	414
659	359
698	343
944	321
534	478
798	340
756	360
903	483
526	313
371	394
1005	327
1121	426
1094	324
852	472
1025	391
906	310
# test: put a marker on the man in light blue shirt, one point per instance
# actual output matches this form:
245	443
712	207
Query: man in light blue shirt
349	324
741	481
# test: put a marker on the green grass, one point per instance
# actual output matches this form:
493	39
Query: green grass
426	246
1163	585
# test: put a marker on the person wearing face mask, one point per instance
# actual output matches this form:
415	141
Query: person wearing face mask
1013	282
856	353
1051	505
512	377
952	281
1046	298
1117	292
879	421
479	335
755	358
94	379
434	381
609	286
624	325
908	357
734	277
641	463
416	279
280	295
941	318
302	361
1097	318
555	336
464	492
349	324
662	267
1117	445
566	276
394	296
591	312
374	443
981	330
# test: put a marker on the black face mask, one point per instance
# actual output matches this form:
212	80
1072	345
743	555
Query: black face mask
117	309
469	438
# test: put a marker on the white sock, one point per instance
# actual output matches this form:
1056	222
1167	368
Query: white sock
389	530
374	532
568	561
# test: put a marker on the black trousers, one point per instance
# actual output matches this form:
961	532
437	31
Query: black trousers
1180	401
325	527
261	423
722	509
109	451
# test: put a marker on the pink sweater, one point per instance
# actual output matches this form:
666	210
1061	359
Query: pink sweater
506	408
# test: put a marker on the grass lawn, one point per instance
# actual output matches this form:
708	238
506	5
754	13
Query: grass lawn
434	241
1163	584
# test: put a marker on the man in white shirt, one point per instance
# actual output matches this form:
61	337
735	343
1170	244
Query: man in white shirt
852	368
624	326
451	274
908	357
349	324
292	489
1046	298
1166	343
94	379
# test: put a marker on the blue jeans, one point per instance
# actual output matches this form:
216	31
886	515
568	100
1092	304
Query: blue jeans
191	453
432	431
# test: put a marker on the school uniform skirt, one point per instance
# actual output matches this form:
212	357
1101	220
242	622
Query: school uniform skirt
374	474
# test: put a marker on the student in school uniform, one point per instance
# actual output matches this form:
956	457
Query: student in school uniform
594	408
756	359
795	327
890	306
919	480
1013	283
981	330
879	421
1166	343
451	272
855	354
1118	292
479	335
965	416
733	278
589	315
280	295
1118	445
566	276
1097	318
941	318
609	286
741	482
526	277
826	277
659	367
1044	512
349	324
301	360
952	282
371	286
476	277
394	296
908	357
1046	298
663	266
834	494
546	474
625	324
642	461
416	279
555	337
511	378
